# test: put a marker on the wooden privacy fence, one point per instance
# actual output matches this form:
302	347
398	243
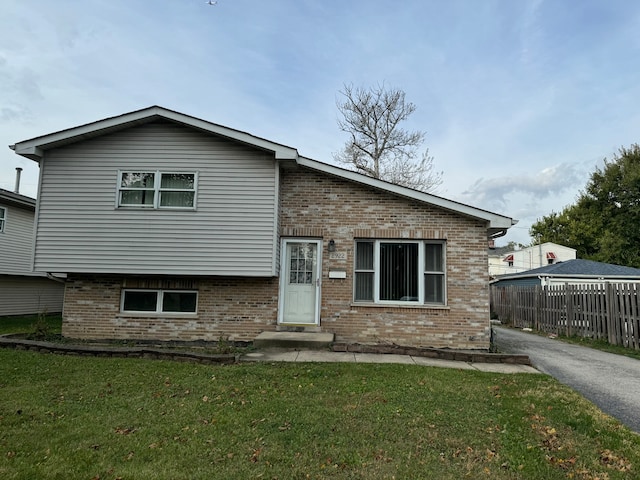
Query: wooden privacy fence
607	311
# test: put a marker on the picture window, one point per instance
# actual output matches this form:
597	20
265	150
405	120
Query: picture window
388	271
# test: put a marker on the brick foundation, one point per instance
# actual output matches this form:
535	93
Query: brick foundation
236	308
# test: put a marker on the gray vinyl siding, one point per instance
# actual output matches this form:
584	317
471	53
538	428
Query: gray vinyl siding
29	295
16	241
232	231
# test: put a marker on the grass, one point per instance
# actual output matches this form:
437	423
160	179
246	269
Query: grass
104	418
71	417
47	324
601	345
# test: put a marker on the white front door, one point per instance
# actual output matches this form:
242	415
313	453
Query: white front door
300	282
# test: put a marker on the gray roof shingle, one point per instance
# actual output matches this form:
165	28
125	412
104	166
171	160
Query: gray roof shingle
577	267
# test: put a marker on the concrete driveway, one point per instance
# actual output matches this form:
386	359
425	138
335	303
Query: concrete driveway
610	381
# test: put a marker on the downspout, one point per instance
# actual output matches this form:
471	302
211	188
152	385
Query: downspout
498	234
540	252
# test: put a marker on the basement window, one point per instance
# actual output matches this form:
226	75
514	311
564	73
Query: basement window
159	301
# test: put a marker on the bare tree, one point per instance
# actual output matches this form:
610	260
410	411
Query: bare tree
378	146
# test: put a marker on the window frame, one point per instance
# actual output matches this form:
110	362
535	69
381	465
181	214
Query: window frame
157	190
159	302
422	272
3	218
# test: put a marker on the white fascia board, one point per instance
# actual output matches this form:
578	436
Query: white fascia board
495	221
34	148
553	245
17	199
282	152
566	276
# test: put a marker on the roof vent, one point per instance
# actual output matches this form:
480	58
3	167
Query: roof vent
18	173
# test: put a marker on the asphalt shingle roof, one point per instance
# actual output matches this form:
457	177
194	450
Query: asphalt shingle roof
578	267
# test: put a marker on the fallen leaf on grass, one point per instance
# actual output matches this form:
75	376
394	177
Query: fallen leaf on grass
285	426
616	462
255	455
124	430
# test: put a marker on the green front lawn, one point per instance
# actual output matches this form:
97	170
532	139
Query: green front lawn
29	324
103	418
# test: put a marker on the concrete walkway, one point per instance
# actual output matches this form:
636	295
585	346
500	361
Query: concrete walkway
267	355
328	356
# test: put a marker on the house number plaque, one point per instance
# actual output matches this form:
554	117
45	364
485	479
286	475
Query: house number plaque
338	255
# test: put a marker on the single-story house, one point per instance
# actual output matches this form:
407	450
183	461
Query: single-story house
22	291
169	227
572	272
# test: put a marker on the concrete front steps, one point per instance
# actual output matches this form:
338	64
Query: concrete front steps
304	340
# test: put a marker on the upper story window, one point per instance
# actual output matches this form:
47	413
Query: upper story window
398	271
157	189
3	218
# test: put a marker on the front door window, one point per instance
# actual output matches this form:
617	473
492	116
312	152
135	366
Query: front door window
300	283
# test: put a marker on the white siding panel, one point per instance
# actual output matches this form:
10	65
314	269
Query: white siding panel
16	242
29	295
232	231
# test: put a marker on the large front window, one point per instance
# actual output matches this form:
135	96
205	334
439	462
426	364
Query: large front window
157	190
159	301
398	271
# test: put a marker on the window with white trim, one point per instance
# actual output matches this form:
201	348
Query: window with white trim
157	189
159	301
3	218
400	271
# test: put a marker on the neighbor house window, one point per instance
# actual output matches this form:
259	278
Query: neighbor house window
398	271
157	189
3	218
159	301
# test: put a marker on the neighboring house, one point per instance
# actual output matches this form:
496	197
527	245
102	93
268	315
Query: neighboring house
503	262
174	228
22	291
572	272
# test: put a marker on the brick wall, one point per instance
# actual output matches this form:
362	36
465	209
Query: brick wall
236	308
336	209
315	206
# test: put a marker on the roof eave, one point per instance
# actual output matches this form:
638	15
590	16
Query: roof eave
34	148
497	224
17	199
568	276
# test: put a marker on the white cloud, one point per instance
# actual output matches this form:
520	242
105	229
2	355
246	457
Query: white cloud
493	193
514	96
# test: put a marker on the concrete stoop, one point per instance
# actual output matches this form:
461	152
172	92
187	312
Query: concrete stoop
294	340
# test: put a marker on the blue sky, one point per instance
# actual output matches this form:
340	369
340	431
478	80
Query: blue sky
520	99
